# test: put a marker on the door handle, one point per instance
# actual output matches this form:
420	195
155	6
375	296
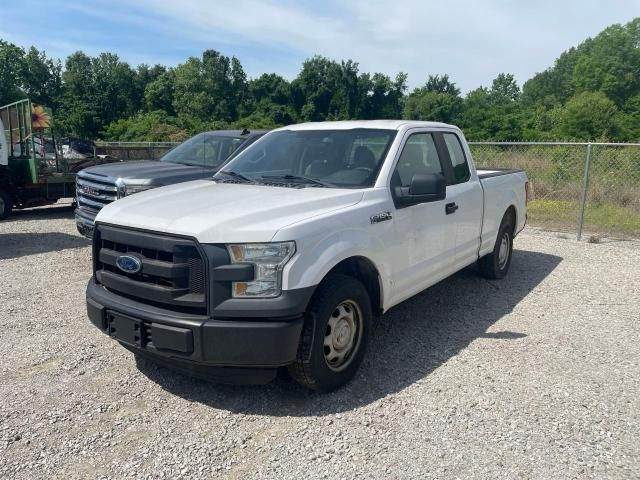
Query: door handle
450	208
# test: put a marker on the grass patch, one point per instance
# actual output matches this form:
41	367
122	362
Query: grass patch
600	216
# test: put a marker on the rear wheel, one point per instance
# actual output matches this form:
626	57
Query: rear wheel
6	205
496	265
334	337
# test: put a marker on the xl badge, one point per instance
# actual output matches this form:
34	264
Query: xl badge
381	217
129	263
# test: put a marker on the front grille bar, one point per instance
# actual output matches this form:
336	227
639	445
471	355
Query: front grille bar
172	273
95	192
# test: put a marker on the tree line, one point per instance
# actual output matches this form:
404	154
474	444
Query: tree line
592	92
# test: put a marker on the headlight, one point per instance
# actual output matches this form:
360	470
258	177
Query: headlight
131	189
268	259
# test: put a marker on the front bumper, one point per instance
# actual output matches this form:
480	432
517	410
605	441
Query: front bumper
188	340
85	220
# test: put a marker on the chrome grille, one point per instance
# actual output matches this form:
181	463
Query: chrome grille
93	192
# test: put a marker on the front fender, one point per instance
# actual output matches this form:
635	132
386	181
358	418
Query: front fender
316	258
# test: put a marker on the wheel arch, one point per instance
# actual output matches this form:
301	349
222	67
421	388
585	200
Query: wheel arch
513	213
365	271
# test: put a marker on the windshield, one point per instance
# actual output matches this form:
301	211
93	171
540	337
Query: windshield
330	158
208	150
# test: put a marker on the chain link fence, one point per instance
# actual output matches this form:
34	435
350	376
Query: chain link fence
576	187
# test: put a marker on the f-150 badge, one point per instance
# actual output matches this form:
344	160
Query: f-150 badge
380	217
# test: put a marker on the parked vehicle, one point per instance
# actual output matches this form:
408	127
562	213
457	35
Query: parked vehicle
33	170
199	157
285	258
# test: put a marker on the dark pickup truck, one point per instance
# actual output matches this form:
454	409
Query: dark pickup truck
199	157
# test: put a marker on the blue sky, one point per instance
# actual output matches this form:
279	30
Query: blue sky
472	41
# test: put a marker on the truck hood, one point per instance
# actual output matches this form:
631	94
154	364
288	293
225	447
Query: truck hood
224	213
150	172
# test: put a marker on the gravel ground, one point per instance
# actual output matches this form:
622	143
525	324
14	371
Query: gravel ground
536	376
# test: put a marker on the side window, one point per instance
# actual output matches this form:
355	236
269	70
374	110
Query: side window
419	155
458	160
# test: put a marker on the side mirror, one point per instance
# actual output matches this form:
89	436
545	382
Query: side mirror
423	189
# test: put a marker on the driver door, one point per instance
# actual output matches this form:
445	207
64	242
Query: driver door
424	240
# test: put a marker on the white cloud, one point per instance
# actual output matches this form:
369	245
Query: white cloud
470	40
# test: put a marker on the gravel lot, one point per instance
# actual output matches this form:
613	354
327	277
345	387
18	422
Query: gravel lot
536	376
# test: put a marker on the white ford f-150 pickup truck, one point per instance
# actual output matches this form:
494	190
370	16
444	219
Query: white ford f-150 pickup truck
288	254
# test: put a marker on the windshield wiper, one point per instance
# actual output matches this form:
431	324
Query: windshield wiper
297	178
237	175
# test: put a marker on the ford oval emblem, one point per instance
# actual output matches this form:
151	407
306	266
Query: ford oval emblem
129	263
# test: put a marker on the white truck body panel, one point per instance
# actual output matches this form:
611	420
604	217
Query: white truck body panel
500	191
416	248
224	213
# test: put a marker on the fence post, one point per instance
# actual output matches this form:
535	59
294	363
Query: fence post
585	185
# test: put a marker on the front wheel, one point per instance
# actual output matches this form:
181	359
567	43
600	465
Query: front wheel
6	205
334	337
496	265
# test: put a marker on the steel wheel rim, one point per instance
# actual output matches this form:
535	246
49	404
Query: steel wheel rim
343	335
503	251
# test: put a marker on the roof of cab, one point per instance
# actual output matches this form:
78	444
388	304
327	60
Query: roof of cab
236	133
379	124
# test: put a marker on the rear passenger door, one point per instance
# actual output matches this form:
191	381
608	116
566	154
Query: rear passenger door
466	193
423	245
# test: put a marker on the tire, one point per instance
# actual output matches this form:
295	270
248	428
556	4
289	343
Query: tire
6	205
339	314
496	265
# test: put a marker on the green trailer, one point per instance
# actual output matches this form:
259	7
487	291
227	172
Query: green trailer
33	171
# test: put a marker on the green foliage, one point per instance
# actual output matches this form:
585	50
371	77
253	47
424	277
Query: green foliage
432	106
504	89
381	97
438	100
591	92
95	92
629	119
328	90
148	127
11	72
589	116
42	78
608	63
159	93
441	84
270	103
494	113
213	87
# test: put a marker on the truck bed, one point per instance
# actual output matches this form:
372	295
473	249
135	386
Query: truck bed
496	172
